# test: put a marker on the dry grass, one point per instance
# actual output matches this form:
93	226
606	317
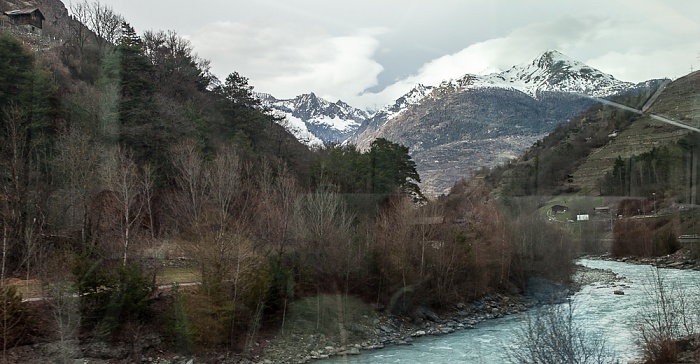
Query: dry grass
171	275
28	288
642	136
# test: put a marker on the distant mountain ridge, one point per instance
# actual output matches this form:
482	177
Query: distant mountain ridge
379	118
551	72
462	124
316	121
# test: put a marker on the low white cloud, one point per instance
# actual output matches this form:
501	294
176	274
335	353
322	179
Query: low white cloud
645	65
290	58
631	49
287	59
521	45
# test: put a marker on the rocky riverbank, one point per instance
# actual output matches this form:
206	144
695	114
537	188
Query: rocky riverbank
388	330
403	330
394	330
682	259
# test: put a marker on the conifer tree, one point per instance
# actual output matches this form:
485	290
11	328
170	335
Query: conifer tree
136	88
393	170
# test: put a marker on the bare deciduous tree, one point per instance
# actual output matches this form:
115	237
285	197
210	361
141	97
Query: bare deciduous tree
77	162
63	302
320	217
223	181
78	33
233	276
276	192
20	204
666	316
122	178
14	149
323	231
541	249
189	163
104	23
396	249
148	182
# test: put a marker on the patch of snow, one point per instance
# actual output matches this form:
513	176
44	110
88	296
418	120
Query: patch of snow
298	128
412	97
335	122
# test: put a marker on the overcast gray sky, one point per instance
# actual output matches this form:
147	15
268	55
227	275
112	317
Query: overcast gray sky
369	52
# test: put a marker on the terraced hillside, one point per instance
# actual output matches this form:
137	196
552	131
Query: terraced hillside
679	101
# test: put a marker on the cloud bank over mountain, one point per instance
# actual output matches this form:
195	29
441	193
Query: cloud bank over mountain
369	53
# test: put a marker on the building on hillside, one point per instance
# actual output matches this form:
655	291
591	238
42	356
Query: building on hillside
559	209
30	19
602	210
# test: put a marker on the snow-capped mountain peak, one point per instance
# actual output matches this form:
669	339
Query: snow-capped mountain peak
379	118
551	71
552	57
308	115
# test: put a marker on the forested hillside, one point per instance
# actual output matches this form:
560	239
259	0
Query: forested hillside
125	165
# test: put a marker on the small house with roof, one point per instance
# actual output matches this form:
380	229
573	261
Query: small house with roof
32	19
559	209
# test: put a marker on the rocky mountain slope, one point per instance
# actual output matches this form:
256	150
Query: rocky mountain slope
401	104
475	121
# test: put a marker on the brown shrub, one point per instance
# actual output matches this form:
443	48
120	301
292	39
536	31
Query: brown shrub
645	237
443	252
541	249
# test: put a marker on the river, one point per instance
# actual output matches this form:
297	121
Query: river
596	308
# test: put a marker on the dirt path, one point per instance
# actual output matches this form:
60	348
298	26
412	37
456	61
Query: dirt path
32	290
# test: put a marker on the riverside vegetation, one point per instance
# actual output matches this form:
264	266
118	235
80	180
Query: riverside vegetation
119	153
